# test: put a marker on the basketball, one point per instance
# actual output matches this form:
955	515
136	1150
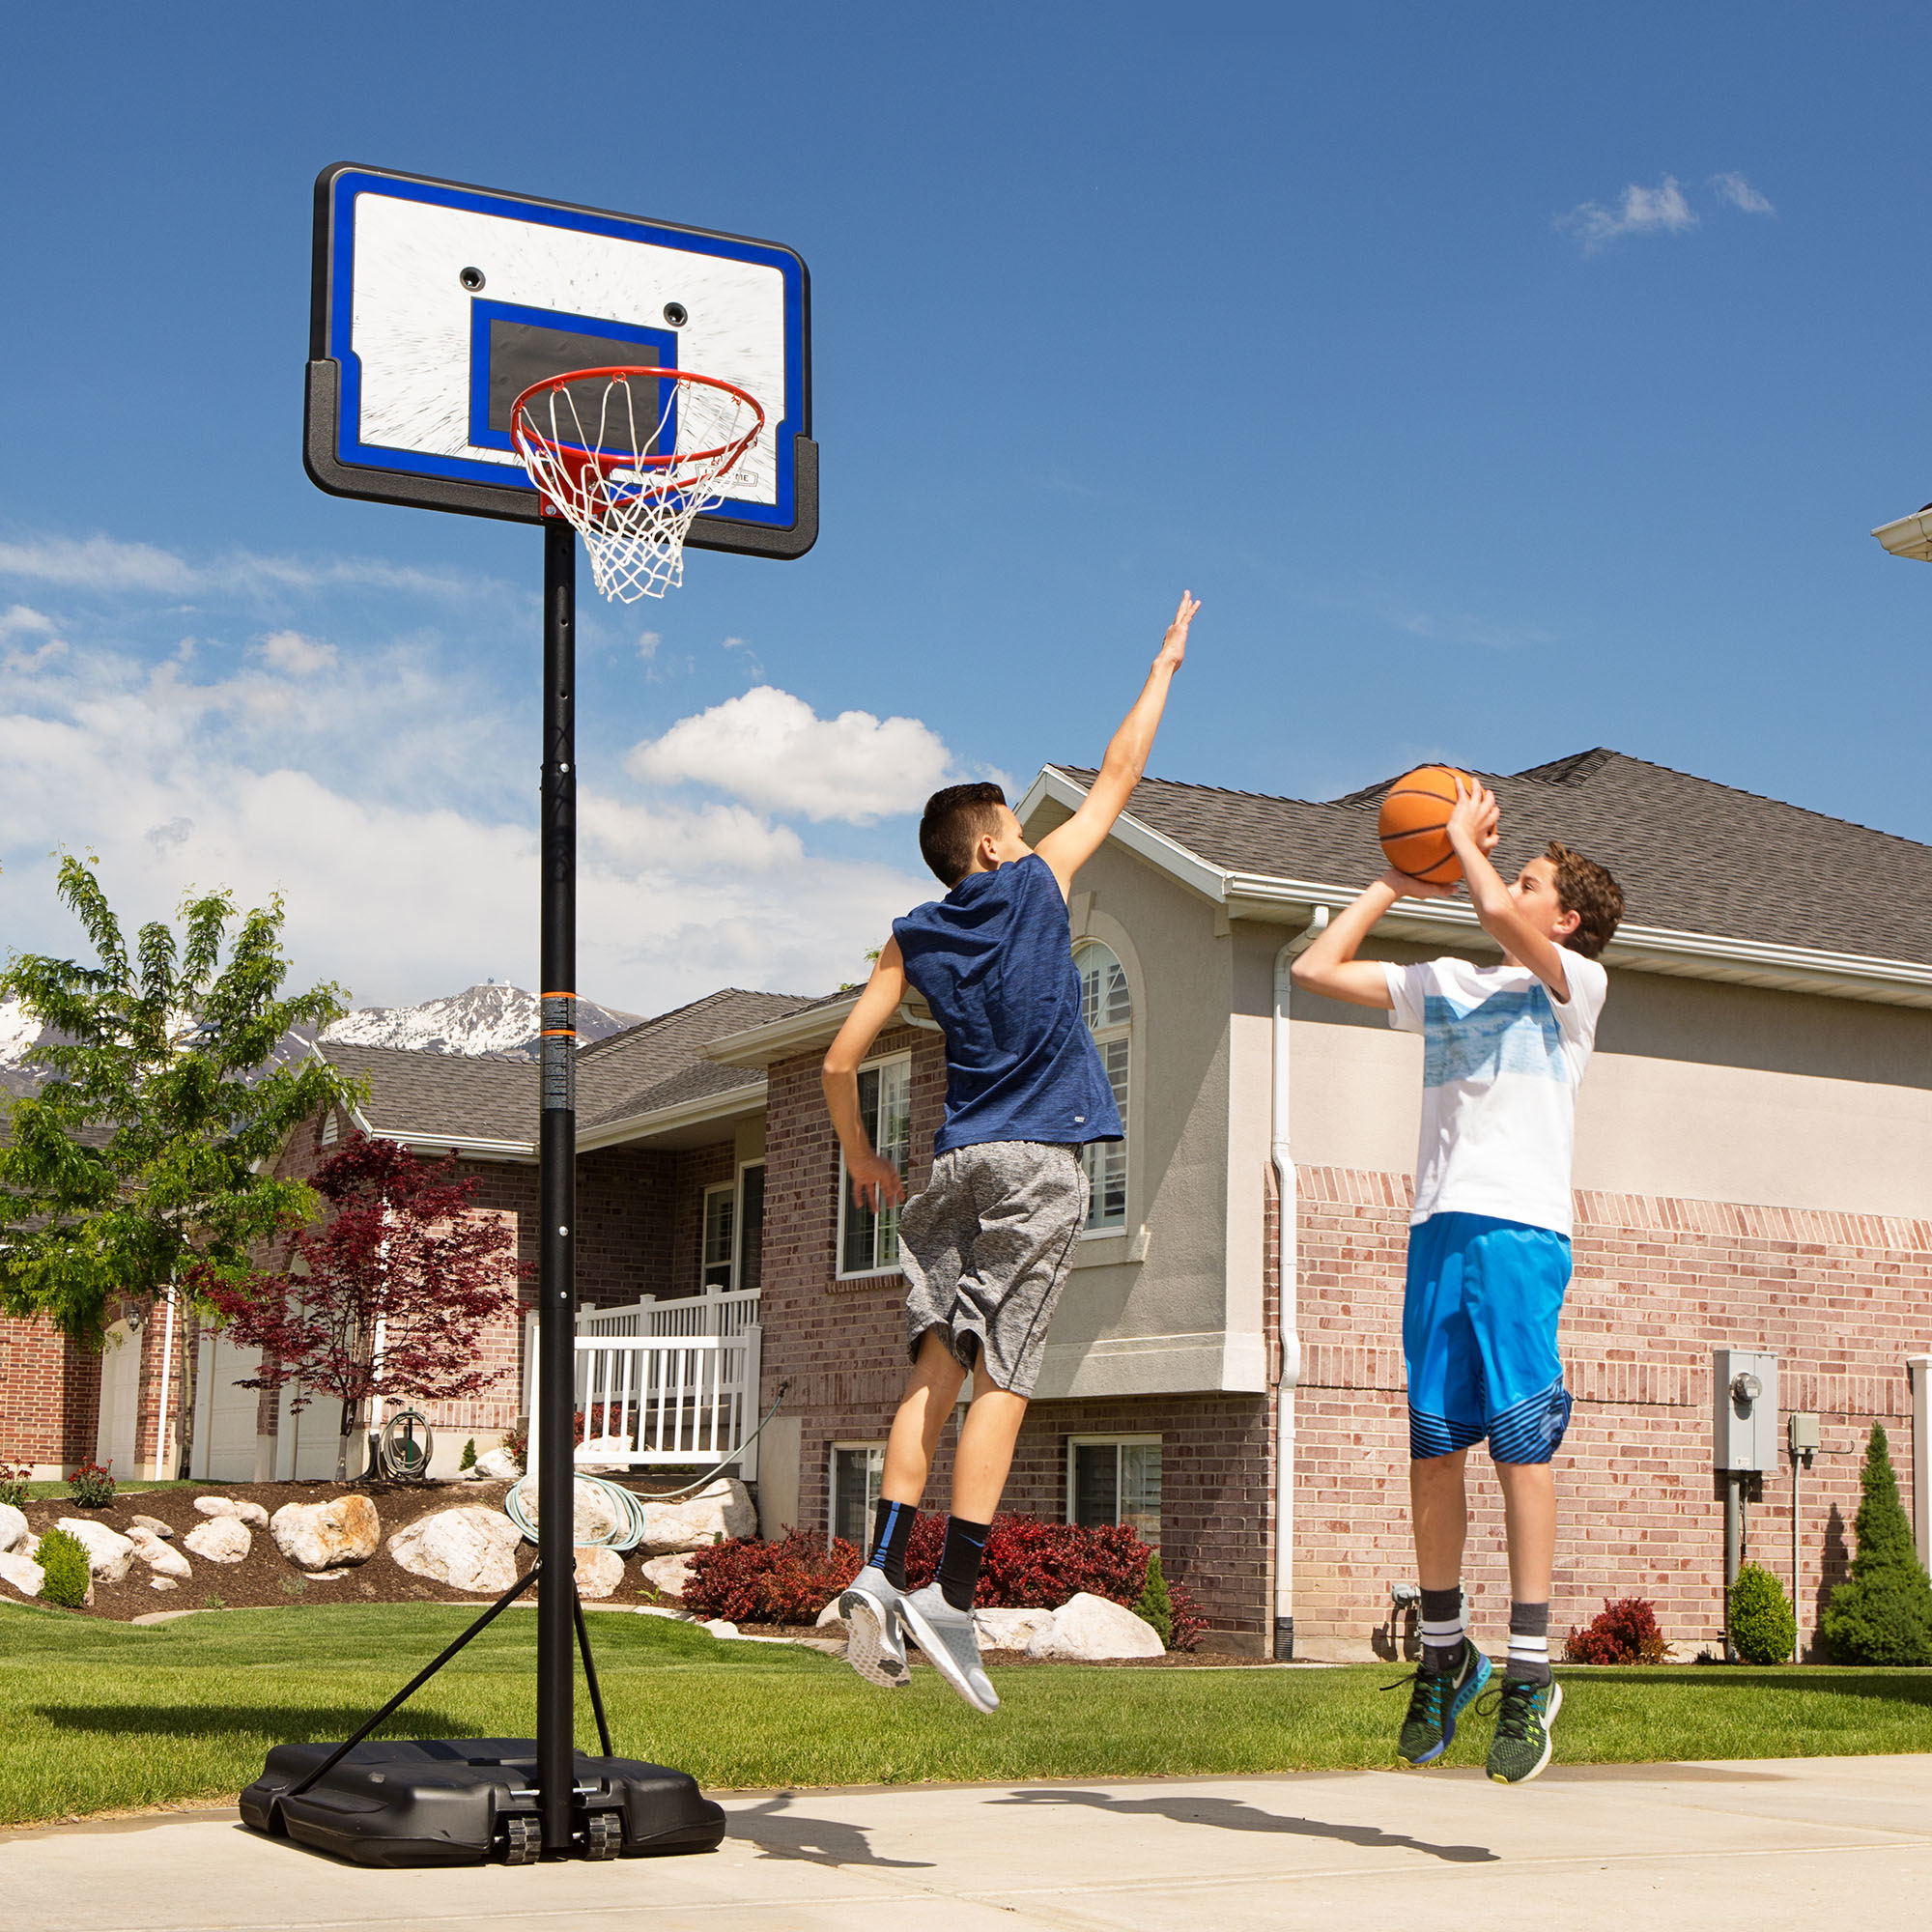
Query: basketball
1412	824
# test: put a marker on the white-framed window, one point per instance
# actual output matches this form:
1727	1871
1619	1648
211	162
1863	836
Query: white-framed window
1108	1009
721	1234
1115	1479
868	1242
749	1261
856	1472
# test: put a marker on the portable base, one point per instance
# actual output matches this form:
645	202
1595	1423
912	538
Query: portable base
463	1802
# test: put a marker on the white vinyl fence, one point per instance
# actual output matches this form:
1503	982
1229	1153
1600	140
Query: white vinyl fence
663	1383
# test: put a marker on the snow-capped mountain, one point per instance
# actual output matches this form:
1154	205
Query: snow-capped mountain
486	1019
491	1018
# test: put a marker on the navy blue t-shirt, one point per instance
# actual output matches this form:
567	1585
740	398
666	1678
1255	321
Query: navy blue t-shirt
994	960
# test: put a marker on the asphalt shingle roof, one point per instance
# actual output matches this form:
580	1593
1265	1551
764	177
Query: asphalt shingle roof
654	1064
1691	856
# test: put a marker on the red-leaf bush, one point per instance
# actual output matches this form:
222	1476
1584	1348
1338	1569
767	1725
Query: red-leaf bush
1623	1632
788	1581
1030	1564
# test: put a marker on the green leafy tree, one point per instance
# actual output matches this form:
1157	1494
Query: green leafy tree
151	1145
1763	1627
1881	1613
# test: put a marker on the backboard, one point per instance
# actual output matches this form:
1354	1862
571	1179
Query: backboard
435	304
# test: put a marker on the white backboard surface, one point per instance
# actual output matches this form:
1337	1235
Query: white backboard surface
435	302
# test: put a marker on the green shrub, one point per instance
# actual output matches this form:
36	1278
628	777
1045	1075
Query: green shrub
1881	1614
469	1455
92	1485
1154	1605
1763	1625
13	1485
65	1575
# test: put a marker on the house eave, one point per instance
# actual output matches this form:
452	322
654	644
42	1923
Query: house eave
665	1123
782	1039
1689	955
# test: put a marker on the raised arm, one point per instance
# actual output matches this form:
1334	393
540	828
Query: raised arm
1067	847
1472	832
875	1181
1329	966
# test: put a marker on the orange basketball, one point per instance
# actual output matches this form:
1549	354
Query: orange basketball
1412	824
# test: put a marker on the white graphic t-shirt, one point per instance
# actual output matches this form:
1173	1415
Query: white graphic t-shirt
1501	1061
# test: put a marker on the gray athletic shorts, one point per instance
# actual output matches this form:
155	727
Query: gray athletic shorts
986	1249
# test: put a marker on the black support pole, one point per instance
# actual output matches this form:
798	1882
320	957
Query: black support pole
556	1194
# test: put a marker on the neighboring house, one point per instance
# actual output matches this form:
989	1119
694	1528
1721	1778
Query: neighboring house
1753	1168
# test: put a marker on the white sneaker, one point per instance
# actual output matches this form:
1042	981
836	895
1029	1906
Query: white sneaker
874	1644
951	1643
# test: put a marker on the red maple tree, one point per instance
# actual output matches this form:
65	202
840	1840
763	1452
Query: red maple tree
401	1255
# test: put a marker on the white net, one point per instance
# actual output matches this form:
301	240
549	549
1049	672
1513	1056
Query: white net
630	456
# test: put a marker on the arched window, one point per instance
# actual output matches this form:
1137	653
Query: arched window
1108	1009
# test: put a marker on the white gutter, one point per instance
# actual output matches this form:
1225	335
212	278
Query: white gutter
1287	1265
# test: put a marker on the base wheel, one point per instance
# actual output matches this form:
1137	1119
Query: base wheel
522	1841
602	1834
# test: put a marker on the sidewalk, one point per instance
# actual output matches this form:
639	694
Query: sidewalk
1810	1843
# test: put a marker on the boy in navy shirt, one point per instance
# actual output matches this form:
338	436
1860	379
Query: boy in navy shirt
988	1246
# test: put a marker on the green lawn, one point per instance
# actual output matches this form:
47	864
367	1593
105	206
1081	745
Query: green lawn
103	1716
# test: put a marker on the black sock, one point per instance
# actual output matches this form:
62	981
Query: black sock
892	1531
1441	1621
959	1562
1529	1643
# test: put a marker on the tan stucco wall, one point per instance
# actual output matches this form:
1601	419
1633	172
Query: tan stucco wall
1698	1091
1187	1314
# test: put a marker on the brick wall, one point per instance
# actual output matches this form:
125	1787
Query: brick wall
1841	1299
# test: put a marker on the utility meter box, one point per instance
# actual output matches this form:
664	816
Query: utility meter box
1744	1388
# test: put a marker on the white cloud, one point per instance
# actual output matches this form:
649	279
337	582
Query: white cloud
296	654
105	564
404	876
773	750
1642	211
19	618
1732	188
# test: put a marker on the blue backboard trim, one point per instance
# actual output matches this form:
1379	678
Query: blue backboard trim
338	190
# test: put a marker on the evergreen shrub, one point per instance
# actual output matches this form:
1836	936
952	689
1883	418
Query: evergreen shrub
1881	1613
65	1573
468	1461
1763	1625
1153	1605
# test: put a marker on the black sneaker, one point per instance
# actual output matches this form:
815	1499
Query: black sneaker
1524	1713
1437	1699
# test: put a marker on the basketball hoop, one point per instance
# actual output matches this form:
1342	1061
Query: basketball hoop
629	458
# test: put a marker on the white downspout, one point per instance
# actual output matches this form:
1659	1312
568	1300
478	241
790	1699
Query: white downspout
1286	1215
162	1472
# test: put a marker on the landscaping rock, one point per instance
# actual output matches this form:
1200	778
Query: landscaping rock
162	1583
149	1549
108	1552
154	1524
599	1572
604	1456
499	1465
1009	1629
21	1572
14	1531
718	1628
721	1511
468	1548
221	1538
592	1517
252	1514
326	1536
671	1574
1092	1630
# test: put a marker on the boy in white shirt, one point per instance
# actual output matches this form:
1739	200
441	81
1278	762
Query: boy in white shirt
1489	1245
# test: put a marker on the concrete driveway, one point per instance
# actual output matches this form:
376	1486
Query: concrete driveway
1803	1843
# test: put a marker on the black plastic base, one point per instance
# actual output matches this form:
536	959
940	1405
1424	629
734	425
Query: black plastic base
461	1802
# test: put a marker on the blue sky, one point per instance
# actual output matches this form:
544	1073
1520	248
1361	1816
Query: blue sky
1505	380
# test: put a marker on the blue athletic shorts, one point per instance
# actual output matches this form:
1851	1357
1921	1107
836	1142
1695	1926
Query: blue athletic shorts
1479	1337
